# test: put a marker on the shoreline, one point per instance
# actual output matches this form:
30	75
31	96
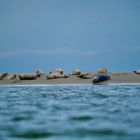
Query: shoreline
49	85
116	78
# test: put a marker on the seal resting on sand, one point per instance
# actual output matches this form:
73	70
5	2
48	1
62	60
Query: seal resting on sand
55	75
27	77
58	73
102	71
137	71
76	72
3	75
38	73
86	75
59	70
11	77
100	78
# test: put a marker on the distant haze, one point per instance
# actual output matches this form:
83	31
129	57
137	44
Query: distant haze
69	34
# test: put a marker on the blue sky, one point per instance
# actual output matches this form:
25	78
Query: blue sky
69	34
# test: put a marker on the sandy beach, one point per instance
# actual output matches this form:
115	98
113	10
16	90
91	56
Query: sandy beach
123	77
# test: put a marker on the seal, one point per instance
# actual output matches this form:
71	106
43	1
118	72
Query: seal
102	71
137	71
38	73
56	75
27	77
76	72
11	77
100	78
86	75
3	75
58	70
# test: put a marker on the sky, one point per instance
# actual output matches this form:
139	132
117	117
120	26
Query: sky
69	34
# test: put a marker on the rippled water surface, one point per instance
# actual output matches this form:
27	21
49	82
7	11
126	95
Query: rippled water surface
70	112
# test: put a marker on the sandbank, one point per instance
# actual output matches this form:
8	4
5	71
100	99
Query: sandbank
116	77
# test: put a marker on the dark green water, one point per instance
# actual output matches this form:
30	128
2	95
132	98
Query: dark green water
70	112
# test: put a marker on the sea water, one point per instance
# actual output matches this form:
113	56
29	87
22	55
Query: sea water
70	112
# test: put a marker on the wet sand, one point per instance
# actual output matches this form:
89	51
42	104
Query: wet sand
125	77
